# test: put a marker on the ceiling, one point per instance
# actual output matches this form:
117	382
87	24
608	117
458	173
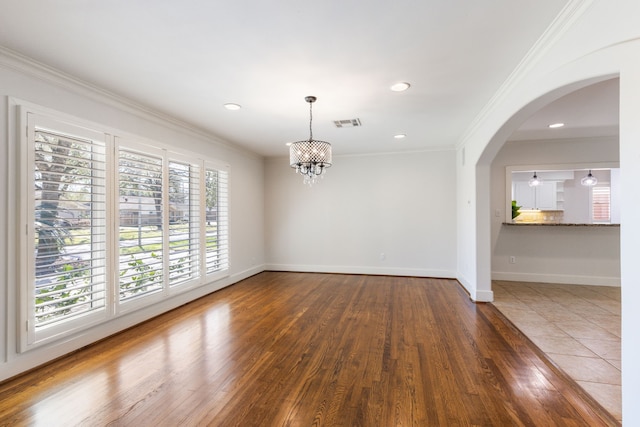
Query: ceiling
188	58
593	111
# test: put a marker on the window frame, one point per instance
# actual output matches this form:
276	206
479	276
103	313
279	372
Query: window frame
26	291
224	168
29	118
133	146
194	195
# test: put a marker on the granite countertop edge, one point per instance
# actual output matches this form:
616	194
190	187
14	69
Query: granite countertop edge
537	224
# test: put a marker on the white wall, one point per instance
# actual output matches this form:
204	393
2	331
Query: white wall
630	236
399	205
578	255
590	41
577	202
616	196
47	88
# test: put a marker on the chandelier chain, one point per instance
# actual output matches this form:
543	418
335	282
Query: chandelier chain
310	121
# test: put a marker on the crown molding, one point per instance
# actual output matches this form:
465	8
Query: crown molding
610	139
558	27
15	61
438	149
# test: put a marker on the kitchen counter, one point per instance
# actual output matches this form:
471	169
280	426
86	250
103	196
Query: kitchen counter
549	224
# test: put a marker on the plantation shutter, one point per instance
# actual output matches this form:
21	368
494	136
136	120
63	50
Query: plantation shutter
184	217
109	225
141	222
601	204
217	220
69	249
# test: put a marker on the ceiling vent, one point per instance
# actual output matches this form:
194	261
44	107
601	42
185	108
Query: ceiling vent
351	123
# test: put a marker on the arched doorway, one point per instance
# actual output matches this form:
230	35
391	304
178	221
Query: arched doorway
539	270
559	75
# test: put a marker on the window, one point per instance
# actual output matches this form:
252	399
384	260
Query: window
184	214
112	225
217	254
141	224
601	204
69	214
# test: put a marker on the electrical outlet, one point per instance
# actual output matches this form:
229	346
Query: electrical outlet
512	260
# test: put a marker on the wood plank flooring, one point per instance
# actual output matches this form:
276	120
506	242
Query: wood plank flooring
300	349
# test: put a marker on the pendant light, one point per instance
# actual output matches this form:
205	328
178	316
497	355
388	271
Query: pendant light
535	181
589	180
310	158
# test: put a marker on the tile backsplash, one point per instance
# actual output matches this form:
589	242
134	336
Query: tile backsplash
541	217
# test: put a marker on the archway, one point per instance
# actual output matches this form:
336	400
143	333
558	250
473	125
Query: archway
483	174
541	293
558	75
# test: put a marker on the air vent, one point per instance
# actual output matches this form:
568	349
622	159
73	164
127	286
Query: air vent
351	123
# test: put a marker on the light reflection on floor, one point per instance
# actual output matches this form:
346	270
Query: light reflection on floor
578	327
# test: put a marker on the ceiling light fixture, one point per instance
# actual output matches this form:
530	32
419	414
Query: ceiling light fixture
589	180
310	158
232	107
535	181
400	87
556	125
400	136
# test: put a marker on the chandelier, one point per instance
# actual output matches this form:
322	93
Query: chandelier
310	158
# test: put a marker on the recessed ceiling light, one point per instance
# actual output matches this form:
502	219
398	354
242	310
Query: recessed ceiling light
400	136
556	125
232	107
400	87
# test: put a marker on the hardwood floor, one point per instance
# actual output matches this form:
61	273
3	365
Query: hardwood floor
299	349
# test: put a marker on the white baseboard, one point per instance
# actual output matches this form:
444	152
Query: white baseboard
464	282
557	278
482	296
386	271
241	275
474	294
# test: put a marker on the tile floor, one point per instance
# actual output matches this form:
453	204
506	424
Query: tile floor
578	327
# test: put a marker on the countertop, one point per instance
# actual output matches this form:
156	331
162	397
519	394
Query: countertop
547	224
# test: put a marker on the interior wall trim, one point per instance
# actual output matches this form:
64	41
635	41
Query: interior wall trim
22	64
565	19
347	269
566	279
